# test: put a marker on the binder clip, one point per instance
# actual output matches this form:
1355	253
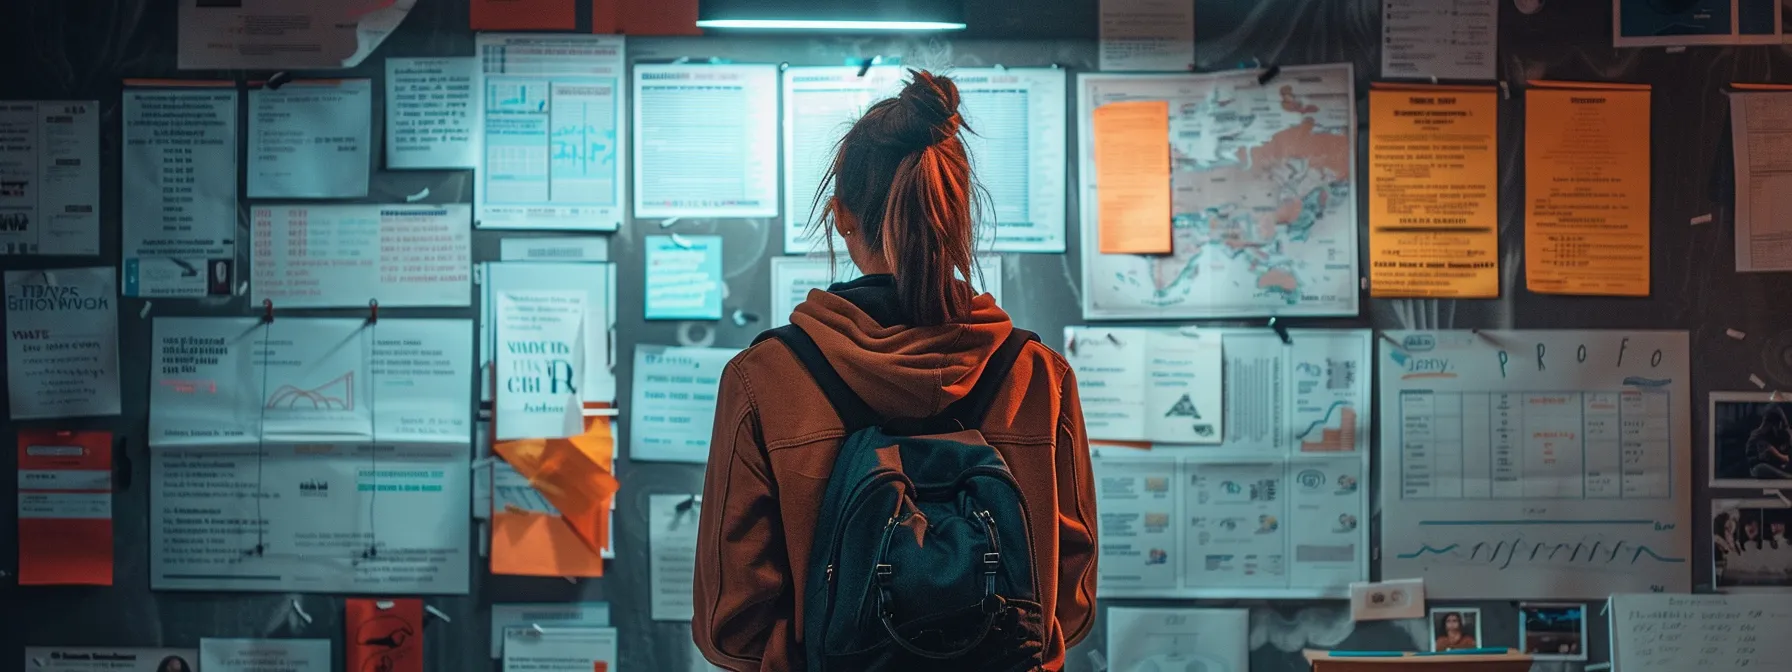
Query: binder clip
1268	73
685	506
1281	329
267	311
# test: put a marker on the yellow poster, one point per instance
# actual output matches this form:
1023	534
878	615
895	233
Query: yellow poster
1434	192
1586	163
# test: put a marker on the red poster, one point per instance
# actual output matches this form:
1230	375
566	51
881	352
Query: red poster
523	15
384	635
65	508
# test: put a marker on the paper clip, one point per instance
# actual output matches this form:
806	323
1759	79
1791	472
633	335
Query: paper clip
695	500
743	318
413	198
1281	331
1390	339
300	610
373	311
432	611
866	66
1268	74
274	83
383	605
267	310
1505	91
143	313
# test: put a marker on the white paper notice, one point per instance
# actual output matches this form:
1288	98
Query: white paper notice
430	113
1177	523
820	105
50	178
335	518
1453	39
674	404
589	248
1762	133
348	256
559	649
672	551
794	277
1018	154
706	141
263	655
179	202
553	132
309	139
597	281
546	615
684	277
1149	385
224	381
1175	640
1154	35
58	659
1524	463
269	34
62	343
1676	633
541	362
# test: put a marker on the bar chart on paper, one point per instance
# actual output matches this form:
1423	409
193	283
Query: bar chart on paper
1521	464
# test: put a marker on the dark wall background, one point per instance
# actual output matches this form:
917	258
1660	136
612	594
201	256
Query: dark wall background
81	49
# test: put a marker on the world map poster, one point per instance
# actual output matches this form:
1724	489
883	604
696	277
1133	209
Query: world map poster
1263	197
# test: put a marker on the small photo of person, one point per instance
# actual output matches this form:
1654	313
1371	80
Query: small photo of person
1751	441
1553	631
1346	522
1750	552
1455	629
174	664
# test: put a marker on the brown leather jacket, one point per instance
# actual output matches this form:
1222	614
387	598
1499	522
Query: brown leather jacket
776	438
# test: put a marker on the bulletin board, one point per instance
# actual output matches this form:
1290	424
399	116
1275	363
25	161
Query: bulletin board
65	50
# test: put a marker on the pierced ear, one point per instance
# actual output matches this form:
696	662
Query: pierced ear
844	224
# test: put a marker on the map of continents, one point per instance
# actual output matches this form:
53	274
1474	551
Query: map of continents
1263	199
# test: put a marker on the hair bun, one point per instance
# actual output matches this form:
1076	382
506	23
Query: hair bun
931	103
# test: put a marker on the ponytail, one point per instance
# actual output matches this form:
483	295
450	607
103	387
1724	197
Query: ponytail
903	172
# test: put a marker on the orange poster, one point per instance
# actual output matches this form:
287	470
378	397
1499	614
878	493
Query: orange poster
559	522
524	15
384	635
1132	176
1434	221
65	508
1586	164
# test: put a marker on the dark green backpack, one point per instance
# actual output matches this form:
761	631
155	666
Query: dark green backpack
922	557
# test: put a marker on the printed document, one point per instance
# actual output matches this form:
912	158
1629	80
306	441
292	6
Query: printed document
1434	184
1179	640
1526	463
232	381
541	361
1132	176
546	615
551	111
684	277
352	256
1675	633
559	649
596	280
65	508
820	106
179	202
1147	35
1018	150
257	655
587	248
50	178
61	659
1146	385
1439	39
309	139
62	343
1761	126
706	140
672	547
674	404
430	113
333	518
1587	189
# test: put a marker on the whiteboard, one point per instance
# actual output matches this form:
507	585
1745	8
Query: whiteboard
1676	633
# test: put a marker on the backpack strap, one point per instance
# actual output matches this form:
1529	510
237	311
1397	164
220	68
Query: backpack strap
974	407
854	413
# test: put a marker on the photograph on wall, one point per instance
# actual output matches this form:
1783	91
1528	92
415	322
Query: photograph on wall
1750	552
1751	440
1455	629
1553	631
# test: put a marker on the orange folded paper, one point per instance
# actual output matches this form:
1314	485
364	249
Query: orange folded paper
1132	177
65	508
384	635
576	476
523	15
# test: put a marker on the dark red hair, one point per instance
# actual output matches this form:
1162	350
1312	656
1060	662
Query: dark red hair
903	173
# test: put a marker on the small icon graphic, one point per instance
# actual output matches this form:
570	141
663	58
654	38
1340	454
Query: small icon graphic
1184	408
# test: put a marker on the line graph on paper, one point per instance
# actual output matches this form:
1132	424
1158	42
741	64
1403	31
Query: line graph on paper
1493	558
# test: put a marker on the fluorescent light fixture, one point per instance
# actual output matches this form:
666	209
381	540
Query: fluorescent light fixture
823	24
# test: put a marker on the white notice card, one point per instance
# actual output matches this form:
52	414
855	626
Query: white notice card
261	655
1017	153
430	113
541	362
1152	35
674	405
1422	39
551	614
554	132
50	171
1149	385
672	551
308	139
596	281
1175	640
179	201
62	343
820	104
559	649
706	140
350	256
59	659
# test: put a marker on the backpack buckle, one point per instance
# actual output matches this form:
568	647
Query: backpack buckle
883	573
990	562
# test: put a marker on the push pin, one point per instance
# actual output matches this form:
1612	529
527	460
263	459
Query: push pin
1268	74
373	311
1280	329
267	310
278	80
